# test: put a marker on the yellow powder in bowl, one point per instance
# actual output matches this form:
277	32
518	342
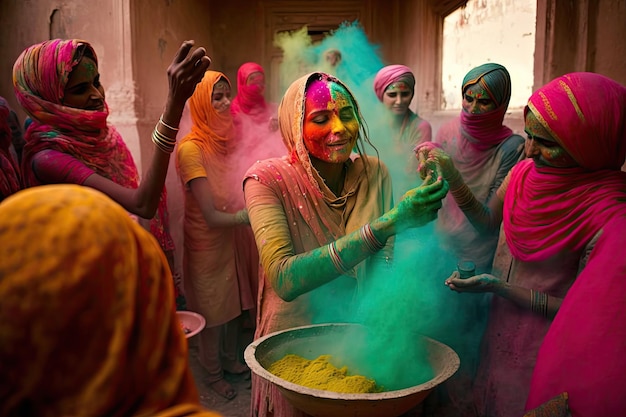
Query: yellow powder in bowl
321	374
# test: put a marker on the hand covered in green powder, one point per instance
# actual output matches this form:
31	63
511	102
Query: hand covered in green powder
476	284
432	158
419	205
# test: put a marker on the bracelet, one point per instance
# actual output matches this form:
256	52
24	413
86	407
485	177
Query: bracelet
371	242
337	262
539	302
173	129
164	143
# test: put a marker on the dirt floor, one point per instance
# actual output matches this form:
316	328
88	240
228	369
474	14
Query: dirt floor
238	406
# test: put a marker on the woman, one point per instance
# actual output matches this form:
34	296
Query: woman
394	86
220	260
255	119
483	151
321	208
553	206
69	140
10	178
87	317
249	105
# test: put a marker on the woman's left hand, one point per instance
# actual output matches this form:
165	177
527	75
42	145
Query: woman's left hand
476	284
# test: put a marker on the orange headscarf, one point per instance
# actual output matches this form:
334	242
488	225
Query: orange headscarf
87	318
210	129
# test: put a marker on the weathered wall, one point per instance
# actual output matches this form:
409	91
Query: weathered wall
136	39
585	35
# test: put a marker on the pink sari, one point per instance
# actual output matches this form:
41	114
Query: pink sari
551	216
583	351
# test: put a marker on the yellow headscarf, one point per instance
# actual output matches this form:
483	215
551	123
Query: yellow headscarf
87	318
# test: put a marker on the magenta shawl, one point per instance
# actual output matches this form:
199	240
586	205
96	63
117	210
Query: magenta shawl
549	210
40	75
583	351
250	99
391	74
9	171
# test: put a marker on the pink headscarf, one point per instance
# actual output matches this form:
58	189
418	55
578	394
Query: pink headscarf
40	75
250	99
391	74
549	210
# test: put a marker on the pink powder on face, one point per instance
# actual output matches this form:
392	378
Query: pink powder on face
318	94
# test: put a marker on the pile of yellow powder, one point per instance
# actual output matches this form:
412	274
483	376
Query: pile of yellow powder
321	374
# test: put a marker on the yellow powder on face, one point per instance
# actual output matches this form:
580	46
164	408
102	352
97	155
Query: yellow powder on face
321	374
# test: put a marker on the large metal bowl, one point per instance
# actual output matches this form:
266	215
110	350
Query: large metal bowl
313	341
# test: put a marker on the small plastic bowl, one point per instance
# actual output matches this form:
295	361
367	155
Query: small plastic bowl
191	323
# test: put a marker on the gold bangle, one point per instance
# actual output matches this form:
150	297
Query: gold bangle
163	146
174	129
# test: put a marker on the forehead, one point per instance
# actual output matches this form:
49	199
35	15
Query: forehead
477	90
398	86
221	87
534	127
255	75
327	94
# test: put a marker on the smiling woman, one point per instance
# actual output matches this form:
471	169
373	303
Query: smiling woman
322	208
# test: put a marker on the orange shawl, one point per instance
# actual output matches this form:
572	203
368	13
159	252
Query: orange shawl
87	319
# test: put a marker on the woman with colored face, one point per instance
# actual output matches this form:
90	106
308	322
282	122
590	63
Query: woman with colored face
220	257
477	147
558	208
57	82
325	208
403	129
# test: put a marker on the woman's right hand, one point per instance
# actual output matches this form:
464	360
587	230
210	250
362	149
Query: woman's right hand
184	73
419	205
430	154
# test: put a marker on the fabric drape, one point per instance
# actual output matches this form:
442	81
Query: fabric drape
87	319
10	178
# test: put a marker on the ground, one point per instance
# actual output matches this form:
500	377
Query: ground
238	406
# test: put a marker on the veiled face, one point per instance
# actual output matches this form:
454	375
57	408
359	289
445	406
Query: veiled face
397	97
83	89
542	147
476	100
256	80
220	99
330	126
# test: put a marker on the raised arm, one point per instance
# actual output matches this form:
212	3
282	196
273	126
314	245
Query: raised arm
185	71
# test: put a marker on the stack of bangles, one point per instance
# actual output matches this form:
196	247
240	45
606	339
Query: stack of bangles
539	302
371	243
165	143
